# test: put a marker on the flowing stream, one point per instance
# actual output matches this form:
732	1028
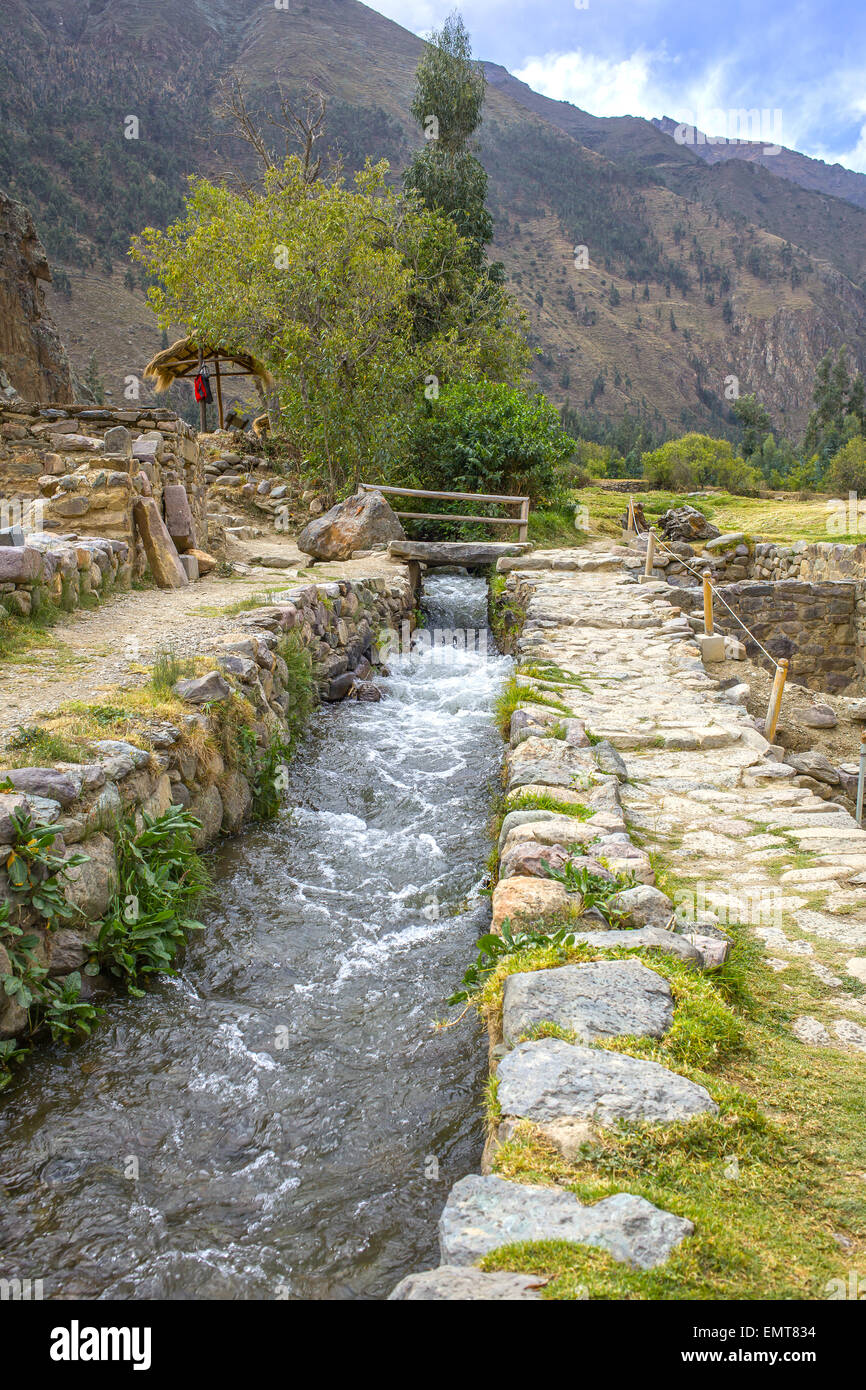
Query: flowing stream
280	1120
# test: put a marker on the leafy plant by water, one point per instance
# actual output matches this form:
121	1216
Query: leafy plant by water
594	890
161	876
492	948
35	873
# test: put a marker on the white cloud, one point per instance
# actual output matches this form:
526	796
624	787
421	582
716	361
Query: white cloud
648	82
604	86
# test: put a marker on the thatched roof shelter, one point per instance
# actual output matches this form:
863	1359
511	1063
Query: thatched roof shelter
184	358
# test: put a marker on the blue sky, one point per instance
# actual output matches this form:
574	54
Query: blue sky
802	58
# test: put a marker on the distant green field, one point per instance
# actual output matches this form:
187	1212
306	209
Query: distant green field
780	518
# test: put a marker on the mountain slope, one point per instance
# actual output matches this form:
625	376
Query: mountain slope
801	169
696	272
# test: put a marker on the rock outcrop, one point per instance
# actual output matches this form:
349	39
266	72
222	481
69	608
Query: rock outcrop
362	522
32	356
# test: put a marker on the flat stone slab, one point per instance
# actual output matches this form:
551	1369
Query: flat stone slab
470	554
550	1079
465	1283
604	999
644	937
483	1213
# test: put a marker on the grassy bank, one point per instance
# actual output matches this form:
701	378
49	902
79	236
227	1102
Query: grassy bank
775	1183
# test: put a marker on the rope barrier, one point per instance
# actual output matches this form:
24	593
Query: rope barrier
700	575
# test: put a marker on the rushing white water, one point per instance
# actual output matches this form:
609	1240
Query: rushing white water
281	1120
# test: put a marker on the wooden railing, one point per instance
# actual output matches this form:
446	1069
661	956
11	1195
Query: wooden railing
521	521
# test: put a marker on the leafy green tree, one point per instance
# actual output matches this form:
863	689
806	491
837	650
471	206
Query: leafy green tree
755	420
93	380
354	297
838	412
697	460
447	104
847	470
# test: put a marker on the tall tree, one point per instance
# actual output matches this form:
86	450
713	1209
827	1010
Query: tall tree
755	420
448	101
839	407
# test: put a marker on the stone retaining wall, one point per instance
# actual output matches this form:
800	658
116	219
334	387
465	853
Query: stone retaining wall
341	624
80	468
66	571
814	625
806	602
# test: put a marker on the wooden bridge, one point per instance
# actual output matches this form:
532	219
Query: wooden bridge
470	554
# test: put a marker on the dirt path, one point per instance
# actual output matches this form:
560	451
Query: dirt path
88	653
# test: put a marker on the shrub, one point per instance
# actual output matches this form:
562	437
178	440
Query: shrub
485	436
697	460
847	470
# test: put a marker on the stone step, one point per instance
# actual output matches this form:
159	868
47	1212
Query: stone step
604	999
483	1213
466	1284
553	1080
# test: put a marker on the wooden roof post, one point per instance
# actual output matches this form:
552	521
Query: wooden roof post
219	389
202	405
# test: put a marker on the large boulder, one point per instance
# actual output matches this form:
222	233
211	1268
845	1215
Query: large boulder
687	524
361	522
178	516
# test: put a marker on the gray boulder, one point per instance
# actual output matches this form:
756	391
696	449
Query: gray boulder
552	1079
643	906
604	999
44	781
483	1213
686	523
608	760
202	689
466	1284
361	522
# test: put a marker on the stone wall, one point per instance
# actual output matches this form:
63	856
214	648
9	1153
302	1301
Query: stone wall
805	601
179	762
813	625
66	572
77	469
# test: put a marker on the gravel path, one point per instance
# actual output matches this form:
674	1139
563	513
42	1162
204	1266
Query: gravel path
90	652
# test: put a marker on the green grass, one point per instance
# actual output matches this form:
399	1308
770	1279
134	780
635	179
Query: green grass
514	695
783	518
551	674
553	528
768	1182
34	746
168	669
544	801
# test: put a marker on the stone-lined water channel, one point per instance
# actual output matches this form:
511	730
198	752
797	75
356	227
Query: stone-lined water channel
284	1101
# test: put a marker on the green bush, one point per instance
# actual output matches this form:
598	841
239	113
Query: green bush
847	470
697	460
486	436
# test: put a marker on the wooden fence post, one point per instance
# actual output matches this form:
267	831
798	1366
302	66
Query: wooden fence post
772	718
650	554
630	525
708	604
523	531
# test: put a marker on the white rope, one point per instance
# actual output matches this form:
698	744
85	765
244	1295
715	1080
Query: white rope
699	575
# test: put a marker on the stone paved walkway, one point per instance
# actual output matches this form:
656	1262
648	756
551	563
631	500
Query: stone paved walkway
672	765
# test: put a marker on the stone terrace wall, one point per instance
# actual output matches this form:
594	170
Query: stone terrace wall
813	625
68	460
64	571
340	623
805	601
